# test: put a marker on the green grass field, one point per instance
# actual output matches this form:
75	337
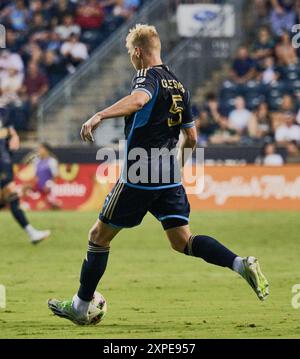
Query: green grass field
153	292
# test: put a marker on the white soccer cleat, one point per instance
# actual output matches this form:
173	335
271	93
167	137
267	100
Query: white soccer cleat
254	276
37	236
64	309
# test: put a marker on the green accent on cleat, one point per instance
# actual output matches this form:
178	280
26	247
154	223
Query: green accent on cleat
254	276
64	309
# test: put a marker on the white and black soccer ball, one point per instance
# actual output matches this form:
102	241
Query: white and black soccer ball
98	308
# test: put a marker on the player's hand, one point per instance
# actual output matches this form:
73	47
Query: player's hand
89	127
14	143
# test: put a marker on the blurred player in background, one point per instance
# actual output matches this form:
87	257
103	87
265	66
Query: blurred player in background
156	112
9	142
46	170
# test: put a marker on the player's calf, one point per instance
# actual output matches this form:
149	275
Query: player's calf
213	252
14	204
94	265
35	236
179	237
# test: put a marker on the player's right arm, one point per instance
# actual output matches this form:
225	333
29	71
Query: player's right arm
144	86
125	107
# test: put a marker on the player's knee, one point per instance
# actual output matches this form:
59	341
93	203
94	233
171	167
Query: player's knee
97	236
12	198
94	235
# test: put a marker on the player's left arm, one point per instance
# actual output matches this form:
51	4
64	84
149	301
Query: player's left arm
188	144
189	131
14	140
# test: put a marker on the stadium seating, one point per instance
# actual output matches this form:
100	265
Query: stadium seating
38	32
267	81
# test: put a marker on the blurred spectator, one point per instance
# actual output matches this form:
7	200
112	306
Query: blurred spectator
35	84
269	74
287	106
289	131
10	60
282	16
262	10
38	29
74	52
263	46
243	67
270	157
208	120
16	15
54	42
126	8
67	28
32	52
11	84
287	103
240	117
13	43
224	134
293	152
89	15
285	52
260	125
61	8
109	5
41	7
54	66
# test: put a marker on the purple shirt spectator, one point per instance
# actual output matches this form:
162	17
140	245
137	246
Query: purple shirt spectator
282	20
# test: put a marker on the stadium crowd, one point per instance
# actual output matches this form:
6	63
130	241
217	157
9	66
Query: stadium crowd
45	41
259	103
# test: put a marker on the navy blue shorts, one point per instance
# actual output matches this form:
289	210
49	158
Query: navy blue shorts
6	174
125	207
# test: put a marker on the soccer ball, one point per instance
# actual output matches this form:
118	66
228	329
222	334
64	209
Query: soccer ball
98	302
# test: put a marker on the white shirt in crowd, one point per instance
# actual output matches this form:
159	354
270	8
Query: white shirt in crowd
268	76
11	61
77	50
239	119
10	84
285	133
64	32
273	160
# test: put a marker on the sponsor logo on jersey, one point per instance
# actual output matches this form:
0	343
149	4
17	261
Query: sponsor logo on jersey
140	80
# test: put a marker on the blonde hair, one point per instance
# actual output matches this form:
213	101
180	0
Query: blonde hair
143	36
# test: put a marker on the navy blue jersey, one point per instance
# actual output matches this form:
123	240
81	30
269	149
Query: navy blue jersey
156	128
5	125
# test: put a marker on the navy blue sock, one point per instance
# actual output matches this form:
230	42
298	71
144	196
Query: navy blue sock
210	250
16	211
92	270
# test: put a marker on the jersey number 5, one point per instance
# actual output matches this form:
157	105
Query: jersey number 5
176	111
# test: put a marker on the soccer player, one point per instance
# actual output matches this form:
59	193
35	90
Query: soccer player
46	170
156	111
9	141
